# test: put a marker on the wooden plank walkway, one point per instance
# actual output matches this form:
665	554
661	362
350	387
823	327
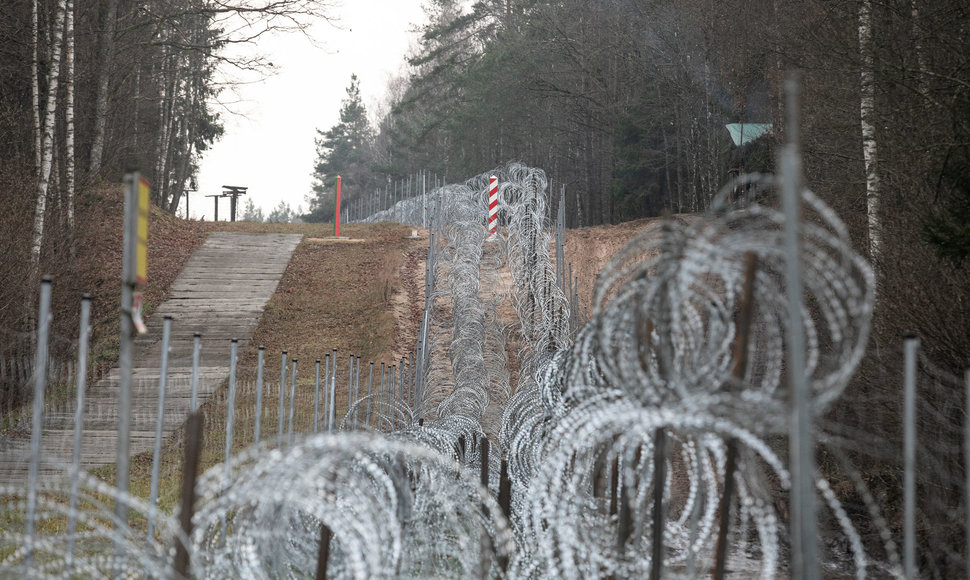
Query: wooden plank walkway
220	293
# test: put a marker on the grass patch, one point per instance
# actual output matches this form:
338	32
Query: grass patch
330	296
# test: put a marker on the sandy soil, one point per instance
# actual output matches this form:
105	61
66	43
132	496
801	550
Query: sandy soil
408	301
587	249
590	249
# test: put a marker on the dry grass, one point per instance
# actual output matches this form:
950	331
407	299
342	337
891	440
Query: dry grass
330	296
95	269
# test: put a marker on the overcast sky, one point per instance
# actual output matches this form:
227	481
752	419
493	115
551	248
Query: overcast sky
270	149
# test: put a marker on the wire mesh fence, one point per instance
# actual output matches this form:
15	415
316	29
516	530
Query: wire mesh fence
652	440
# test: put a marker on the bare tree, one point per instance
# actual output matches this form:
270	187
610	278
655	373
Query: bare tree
47	140
868	121
105	54
34	82
69	118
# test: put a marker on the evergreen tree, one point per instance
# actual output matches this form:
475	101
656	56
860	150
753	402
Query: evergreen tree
948	227
344	150
281	214
251	213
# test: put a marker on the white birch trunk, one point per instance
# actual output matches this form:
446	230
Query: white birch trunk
166	97
918	46
182	173
101	99
867	120
47	142
69	118
35	84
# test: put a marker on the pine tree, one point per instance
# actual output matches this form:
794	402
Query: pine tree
251	213
344	150
281	214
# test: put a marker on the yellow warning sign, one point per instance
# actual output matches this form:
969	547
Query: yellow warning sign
141	255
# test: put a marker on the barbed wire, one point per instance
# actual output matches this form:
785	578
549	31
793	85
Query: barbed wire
622	437
93	542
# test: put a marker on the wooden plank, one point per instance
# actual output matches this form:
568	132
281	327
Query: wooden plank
221	293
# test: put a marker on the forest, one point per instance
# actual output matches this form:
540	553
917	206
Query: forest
625	103
90	89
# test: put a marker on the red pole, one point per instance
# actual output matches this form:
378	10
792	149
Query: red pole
336	215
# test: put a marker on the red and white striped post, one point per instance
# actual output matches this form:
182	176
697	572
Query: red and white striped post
492	208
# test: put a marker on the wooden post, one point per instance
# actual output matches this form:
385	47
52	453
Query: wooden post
505	491
323	556
460	455
484	462
232	192
731	465
659	476
614	485
740	355
624	522
215	199
190	467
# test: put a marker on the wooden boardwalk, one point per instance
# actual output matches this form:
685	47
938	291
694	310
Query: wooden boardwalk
220	294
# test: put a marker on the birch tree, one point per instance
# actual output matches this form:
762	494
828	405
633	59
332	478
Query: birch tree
69	118
34	83
868	123
105	54
47	139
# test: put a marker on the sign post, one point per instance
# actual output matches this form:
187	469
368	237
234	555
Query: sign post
336	213
134	273
141	253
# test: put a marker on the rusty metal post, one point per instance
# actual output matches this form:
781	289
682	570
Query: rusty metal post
190	467
323	556
741	341
505	491
484	462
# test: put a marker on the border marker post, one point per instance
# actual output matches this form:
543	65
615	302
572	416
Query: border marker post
492	208
336	213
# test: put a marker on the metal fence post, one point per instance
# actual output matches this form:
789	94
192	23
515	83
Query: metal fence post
910	354
316	397
326	393
966	463
82	377
332	420
157	455
196	355
282	402
231	405
37	426
259	395
370	391
289	430
804	526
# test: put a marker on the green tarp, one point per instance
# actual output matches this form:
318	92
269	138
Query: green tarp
747	132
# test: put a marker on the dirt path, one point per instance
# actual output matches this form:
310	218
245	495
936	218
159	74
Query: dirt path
587	249
407	301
